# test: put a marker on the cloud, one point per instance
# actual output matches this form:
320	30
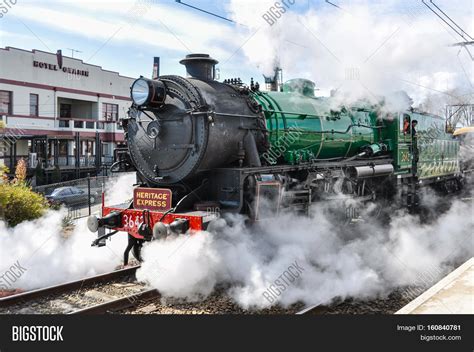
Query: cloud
136	23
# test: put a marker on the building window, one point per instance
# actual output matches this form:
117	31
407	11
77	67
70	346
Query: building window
89	124
34	111
63	148
100	125
65	110
64	123
105	149
87	148
5	102
110	112
78	124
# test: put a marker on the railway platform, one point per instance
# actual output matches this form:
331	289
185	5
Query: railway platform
454	294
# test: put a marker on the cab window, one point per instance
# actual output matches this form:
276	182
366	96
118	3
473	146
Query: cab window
405	123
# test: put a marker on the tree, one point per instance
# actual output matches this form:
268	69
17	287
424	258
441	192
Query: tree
20	172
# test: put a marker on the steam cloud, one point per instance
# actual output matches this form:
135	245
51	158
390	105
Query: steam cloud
363	260
364	50
120	189
50	257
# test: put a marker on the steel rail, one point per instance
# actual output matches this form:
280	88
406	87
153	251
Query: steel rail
119	303
65	287
313	309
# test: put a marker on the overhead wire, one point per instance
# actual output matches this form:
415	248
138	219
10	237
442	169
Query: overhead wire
440	17
450	19
209	13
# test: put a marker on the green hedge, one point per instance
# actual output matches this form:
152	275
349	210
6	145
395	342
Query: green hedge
19	203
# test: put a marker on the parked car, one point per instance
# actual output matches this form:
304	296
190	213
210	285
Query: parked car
71	196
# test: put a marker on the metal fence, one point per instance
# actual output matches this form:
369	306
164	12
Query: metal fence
81	197
65	163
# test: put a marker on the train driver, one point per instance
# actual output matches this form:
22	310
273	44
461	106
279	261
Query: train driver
414	123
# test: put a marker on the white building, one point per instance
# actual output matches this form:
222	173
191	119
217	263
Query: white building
59	111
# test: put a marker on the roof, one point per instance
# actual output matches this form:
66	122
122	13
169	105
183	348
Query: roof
463	130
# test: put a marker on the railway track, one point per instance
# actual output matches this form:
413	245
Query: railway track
119	292
381	305
116	292
120	303
93	294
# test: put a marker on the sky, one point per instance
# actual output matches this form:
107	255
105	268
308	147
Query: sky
369	46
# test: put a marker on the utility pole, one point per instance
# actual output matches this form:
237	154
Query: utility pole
465	46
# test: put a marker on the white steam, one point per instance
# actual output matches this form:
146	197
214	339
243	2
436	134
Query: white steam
51	256
358	261
120	189
365	49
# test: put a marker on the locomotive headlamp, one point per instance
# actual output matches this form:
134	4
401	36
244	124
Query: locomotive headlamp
140	91
147	92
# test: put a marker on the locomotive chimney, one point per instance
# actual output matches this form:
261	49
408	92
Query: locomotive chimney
156	67
200	66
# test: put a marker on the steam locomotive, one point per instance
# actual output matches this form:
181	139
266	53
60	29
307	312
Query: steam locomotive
202	147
